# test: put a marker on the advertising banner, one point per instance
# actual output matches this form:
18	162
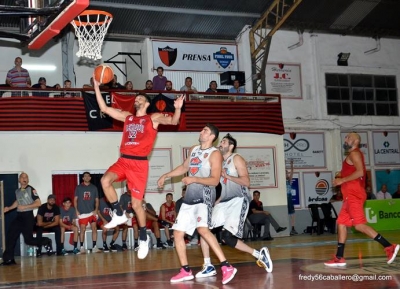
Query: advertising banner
296	190
194	56
260	162
160	162
383	215
317	187
386	147
284	79
307	150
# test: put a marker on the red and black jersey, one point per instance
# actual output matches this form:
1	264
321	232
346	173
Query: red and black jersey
169	212
138	136
355	187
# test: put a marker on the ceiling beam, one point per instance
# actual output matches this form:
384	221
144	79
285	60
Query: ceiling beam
173	9
261	36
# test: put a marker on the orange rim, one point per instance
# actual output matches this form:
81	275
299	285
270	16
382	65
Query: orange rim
94	13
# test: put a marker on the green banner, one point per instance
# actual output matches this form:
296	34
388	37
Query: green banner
383	215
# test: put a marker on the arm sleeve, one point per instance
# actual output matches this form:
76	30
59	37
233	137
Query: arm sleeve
34	193
40	211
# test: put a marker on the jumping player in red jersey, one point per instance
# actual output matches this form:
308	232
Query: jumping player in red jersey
138	136
352	182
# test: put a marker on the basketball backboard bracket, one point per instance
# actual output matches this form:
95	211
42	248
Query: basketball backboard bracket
129	54
44	23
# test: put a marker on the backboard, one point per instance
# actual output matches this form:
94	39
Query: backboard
52	16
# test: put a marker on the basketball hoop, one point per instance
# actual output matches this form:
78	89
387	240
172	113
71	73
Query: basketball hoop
90	28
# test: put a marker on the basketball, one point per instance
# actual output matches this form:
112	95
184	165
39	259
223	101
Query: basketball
103	73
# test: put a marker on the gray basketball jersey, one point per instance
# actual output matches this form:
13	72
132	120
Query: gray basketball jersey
199	166
26	197
68	216
126	202
231	189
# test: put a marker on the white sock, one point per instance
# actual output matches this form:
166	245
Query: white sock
256	253
207	261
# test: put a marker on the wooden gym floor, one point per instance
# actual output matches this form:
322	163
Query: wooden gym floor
295	259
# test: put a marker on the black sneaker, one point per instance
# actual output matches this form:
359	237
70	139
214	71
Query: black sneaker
49	248
170	243
124	247
105	249
113	248
62	253
269	238
136	246
280	229
38	253
161	246
8	263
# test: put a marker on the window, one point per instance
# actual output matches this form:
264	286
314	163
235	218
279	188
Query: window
361	94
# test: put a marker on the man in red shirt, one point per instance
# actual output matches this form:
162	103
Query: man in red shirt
167	216
352	182
138	136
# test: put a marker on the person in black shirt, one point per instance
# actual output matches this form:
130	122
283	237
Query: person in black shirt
396	194
48	219
258	216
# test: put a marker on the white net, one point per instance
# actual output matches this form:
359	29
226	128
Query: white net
90	29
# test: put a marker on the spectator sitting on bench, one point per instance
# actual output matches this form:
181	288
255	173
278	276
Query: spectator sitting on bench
152	223
258	216
68	223
42	85
126	206
167	217
48	219
105	218
68	94
235	89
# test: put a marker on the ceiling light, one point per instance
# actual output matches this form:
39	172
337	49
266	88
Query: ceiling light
39	67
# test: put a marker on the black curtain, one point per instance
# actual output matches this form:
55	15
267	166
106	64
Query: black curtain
10	183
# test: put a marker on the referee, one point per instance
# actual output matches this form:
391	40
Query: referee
26	201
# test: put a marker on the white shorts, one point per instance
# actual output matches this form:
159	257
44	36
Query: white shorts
192	216
232	215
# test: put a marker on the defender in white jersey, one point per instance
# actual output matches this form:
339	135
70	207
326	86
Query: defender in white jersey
231	208
203	165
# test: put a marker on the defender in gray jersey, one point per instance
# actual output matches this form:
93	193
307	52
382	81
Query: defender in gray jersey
26	201
204	165
231	208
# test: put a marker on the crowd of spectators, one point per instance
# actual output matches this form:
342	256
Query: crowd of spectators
18	77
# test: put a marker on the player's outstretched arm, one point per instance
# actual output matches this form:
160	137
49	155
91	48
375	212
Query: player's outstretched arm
160	118
178	171
114	113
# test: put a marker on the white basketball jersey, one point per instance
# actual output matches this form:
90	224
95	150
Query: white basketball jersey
231	189
199	166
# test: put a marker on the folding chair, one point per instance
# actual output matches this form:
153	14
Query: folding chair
315	218
329	220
